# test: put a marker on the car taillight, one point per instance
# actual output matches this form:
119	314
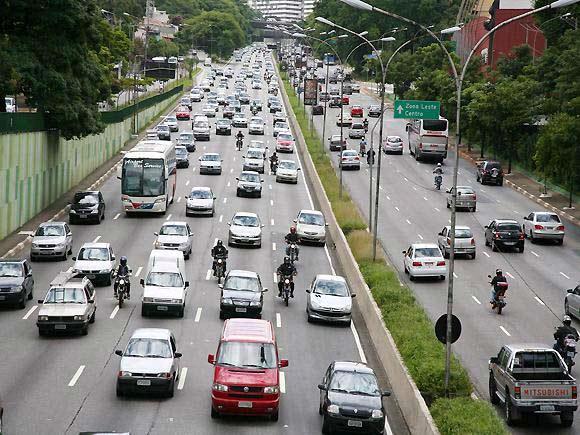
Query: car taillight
560	228
472	242
417	263
474	197
441	263
521	236
448	241
420	146
538	227
357	158
574	392
497	235
345	158
518	392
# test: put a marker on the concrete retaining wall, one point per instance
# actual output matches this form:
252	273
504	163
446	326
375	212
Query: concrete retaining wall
409	399
36	168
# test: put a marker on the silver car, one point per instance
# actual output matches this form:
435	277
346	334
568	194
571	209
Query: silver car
249	184
254	160
393	144
240	120
187	140
149	364
572	302
171	122
256	125
311	226
245	230
544	225
51	239
175	236
280	126
287	171
466	198
464	241
349	159
357	130
200	201
210	163
329	299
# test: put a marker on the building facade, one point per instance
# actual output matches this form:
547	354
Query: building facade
288	11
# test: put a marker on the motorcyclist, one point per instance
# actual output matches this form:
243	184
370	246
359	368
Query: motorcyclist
286	270
494	284
438	169
123	272
273	159
563	331
239	137
363	147
219	251
371	156
292	238
366	125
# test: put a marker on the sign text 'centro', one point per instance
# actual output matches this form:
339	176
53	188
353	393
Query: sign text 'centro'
416	109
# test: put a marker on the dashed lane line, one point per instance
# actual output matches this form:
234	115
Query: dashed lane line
221	217
29	313
539	301
476	300
486	254
282	382
505	331
139	270
182	377
198	315
76	376
117	216
564	275
208	275
168	217
114	313
97	239
278	320
273	246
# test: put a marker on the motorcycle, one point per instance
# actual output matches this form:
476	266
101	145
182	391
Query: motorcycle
499	300
293	252
362	149
254	110
286	289
568	350
239	144
273	167
220	269
438	181
122	282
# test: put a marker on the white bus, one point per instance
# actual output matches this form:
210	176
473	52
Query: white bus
148	177
428	138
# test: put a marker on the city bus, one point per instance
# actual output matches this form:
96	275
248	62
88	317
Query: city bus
428	138
148	177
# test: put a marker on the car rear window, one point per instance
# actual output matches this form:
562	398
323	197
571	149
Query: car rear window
427	252
508	227
536	360
493	165
547	218
463	233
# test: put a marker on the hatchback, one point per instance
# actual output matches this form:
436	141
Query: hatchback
393	144
249	184
334	143
210	163
96	261
285	142
329	299
182	113
357	130
175	236
424	260
356	111
241	295
87	206
464	241
311	226
200	200
245	230
545	226
490	172
374	111
466	198
51	239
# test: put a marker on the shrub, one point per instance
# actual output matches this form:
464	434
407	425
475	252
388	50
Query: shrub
466	416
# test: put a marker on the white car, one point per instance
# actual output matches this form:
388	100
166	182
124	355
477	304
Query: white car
175	236
208	111
171	122
349	159
201	128
357	130
287	171
329	299
196	96
210	163
200	200
96	261
245	230
393	144
206	85
280	126
424	260
311	226
346	120
464	241
240	120
256	125
254	160
544	225
256	84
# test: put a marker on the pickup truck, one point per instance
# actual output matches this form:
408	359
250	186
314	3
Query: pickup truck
532	379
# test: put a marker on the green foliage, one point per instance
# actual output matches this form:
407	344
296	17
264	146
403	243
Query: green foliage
161	47
466	416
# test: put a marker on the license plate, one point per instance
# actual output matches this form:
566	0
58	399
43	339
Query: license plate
429	264
143	382
2	298
494	175
161	308
510	243
241	310
547	407
60	327
244	404
354	423
82	216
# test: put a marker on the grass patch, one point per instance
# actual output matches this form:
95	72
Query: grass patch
407	321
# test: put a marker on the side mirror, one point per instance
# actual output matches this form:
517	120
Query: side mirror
158	233
186	197
221	286
326	224
112	257
91	301
486	226
261	181
211	359
385	393
283	363
570	290
321	387
525	218
214	197
308	290
74	258
119	352
41	301
353	295
142	282
264	290
186	283
494	360
177	354
404	252
448	190
230	224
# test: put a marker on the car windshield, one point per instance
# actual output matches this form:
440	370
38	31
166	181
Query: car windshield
181	151
508	227
349	153
201	124
285	136
59	295
255	154
492	165
355	383
545	217
252	178
332	288
164	279
257	120
200	194
465	191
186	137
50	230
10	270
224	122
173	230
394	139
257	144
211	157
311	219
435	124
148	348
247	354
287	164
93	254
281	125
427	252
162	128
86	198
244	283
463	233
246	221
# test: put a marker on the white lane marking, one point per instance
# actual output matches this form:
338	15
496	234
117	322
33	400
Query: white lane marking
425	198
486	254
397	208
381	187
436	209
405	178
215	241
329	259
76	376
414	188
97	239
388	197
187	183
234	158
420	236
505	331
168	217
182	377
361	352
198	315
69	270
117	216
408	221
193	169
29	313
138	271
231	170
204	147
498	200
455	275
221	217
481	190
272	222
282	382
475	299
541	302
533	253
510	275
273	246
271	203
515	211
208	275
564	275
278	320
179	199
225	200
114	313
229	184
270	186
275	277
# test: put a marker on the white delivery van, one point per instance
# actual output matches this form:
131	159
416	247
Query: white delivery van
207	61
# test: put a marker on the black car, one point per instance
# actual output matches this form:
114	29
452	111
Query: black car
242	295
335	102
275	107
374	111
87	206
350	399
317	110
490	172
503	234
228	112
223	127
16	282
181	157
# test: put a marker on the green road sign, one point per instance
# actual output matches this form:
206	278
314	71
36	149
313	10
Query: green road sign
415	109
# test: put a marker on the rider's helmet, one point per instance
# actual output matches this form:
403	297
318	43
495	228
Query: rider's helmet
123	261
286	260
438	165
567	321
498	272
293	230
219	243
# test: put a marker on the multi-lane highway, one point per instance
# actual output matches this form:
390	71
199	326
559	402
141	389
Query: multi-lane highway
412	210
61	385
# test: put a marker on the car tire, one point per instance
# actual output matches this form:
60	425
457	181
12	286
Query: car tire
181	311
274	416
63	258
119	392
32	258
531	237
566	307
493	246
474	208
492	391
500	183
326	429
222	315
521	248
186	256
92	319
214	413
448	205
442	277
411	277
42	333
171	391
473	256
320	411
22	303
144	312
566	419
445	254
31	294
85	330
108	280
508	412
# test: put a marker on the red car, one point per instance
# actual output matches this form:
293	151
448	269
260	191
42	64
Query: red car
346	100
356	111
246	376
285	142
182	113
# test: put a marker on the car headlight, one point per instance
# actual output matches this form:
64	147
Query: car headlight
125	374
377	413
274	389
166	375
332	409
60	245
95	210
147	299
227	301
79	317
72	211
43	318
157	244
255	304
104	271
159	200
175	301
75	270
183	245
16	289
219	387
35	245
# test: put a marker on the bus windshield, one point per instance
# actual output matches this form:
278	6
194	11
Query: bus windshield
143	177
435	124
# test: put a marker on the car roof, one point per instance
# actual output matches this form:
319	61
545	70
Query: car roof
182	223
424	245
245	213
250	173
325	277
210	154
459	227
551	213
51	223
94	192
12	260
465	187
520	347
96	245
244	273
255	330
506	221
202	188
311	212
165	266
151	333
352	366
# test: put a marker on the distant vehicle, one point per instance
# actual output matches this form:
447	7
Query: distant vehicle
87	206
223	127
181	157
200	200
96	261
356	111
10	104
393	144
490	172
51	239
239	120
245	230
504	234
544	225
349	159
207	61
374	111
285	142
287	171
159	59
201	129
186	139
249	184
172	60
182	113
175	236
254	160
428	138
163	132
357	130
466	198
464	241
16	282
210	163
424	260
241	295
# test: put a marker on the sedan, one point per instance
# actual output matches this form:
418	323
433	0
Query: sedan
345	121
249	184
464	241
334	143
245	230
374	111
311	226
244	98
329	299
254	160
163	132
210	163
16	282
356	111
51	239
187	140
572	302
349	159
175	236
544	225
200	200
181	157
424	260
171	122
257	104
182	113
466	198
228	112
87	206
357	130
256	84
223	127
280	126
256	125
208	111
350	399
287	171
240	120
276	106
393	144
149	364
285	142
241	295
504	234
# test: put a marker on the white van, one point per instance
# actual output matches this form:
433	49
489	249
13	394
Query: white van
207	61
165	284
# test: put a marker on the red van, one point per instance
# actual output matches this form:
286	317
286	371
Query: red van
246	377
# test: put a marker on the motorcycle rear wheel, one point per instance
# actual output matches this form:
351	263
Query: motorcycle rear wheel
121	299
